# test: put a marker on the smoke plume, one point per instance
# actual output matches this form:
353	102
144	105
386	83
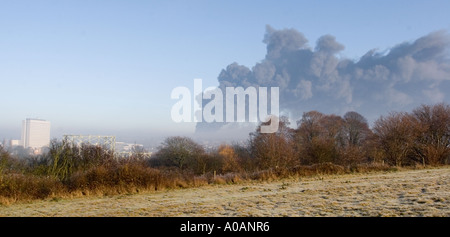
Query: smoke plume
407	75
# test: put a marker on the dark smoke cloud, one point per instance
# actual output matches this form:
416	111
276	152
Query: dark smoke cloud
409	74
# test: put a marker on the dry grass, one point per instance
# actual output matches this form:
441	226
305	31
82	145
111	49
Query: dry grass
14	187
422	192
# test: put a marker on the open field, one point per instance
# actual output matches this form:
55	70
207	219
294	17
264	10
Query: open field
404	193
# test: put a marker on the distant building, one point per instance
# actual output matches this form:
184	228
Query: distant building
14	143
124	149
127	147
35	133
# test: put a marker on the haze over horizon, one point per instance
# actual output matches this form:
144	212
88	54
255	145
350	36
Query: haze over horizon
95	67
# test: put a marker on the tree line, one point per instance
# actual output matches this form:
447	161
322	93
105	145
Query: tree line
421	137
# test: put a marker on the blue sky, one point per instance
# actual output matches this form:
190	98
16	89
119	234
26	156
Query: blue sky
108	67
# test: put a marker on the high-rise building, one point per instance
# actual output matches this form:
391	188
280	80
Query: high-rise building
35	133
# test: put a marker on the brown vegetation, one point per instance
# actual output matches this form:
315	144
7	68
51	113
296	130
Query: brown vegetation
422	136
321	144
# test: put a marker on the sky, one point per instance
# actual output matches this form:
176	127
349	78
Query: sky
108	67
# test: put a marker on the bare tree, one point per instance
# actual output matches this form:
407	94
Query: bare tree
309	126
273	150
179	151
432	133
356	129
318	137
355	135
393	135
4	159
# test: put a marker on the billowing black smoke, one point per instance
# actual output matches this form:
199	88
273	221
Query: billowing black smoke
409	74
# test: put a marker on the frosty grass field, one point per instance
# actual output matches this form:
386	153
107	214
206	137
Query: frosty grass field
424	192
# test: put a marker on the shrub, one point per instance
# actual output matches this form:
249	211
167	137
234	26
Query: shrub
121	177
179	152
15	187
229	158
63	160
